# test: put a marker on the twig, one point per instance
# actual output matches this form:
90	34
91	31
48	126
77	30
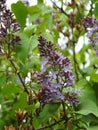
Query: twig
91	9
51	125
19	75
75	61
74	54
60	8
64	111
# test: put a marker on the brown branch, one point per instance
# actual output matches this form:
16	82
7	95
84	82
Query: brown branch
59	8
75	61
19	76
74	54
64	111
51	125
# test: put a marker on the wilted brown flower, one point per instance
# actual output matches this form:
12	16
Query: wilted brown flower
21	115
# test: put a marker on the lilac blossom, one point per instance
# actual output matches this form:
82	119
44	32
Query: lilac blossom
55	76
91	26
8	26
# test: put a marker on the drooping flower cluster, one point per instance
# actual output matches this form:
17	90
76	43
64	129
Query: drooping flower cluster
55	76
8	25
91	25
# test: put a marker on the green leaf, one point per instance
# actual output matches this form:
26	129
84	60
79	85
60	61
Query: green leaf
48	36
36	123
93	128
88	107
21	103
90	118
95	86
33	42
23	49
35	86
94	1
94	60
1	123
94	76
86	90
33	18
82	57
47	111
96	10
29	30
27	45
20	12
33	9
40	1
10	89
46	11
88	103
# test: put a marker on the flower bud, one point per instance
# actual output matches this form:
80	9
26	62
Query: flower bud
20	114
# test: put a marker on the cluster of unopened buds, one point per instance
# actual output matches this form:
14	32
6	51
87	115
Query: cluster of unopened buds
56	78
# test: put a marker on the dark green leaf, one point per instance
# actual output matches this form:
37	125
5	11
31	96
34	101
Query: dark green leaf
40	1
20	12
2	79
88	103
36	123
21	103
47	111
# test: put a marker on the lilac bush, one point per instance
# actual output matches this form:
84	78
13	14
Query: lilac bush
40	87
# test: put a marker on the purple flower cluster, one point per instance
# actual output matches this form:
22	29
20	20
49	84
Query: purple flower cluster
91	25
8	25
55	76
